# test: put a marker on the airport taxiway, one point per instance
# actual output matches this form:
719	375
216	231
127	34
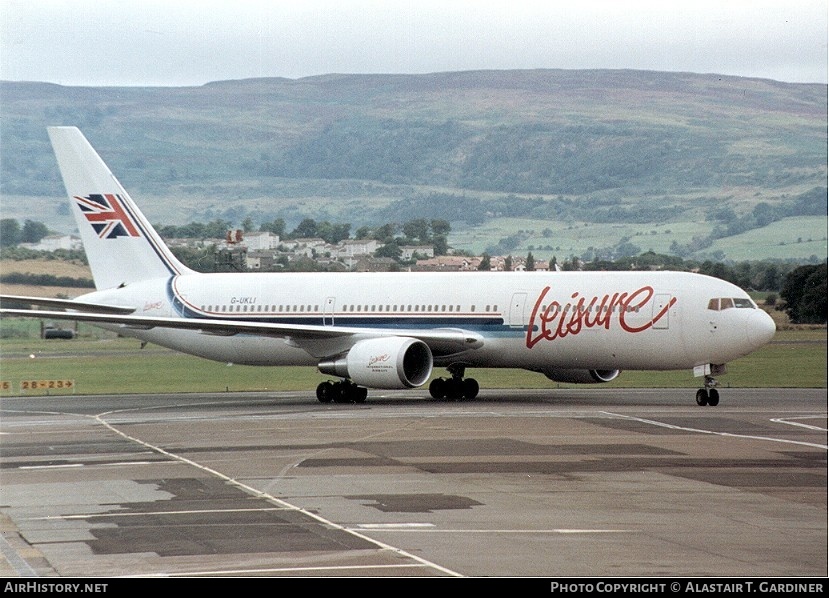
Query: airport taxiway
556	483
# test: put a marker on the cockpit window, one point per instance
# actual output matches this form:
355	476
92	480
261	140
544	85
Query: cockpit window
722	303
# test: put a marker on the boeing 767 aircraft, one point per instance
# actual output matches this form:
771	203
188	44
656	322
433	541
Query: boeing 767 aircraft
389	330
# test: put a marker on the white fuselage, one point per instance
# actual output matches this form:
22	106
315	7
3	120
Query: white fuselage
532	320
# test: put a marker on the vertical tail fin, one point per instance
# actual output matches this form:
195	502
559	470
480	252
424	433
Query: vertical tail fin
121	245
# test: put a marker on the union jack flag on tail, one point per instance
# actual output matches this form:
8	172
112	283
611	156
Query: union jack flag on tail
107	215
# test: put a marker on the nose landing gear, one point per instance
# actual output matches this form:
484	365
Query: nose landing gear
708	395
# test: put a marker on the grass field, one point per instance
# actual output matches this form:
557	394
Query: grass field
790	238
105	364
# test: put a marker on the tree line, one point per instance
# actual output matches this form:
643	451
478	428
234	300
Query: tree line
804	291
11	233
393	235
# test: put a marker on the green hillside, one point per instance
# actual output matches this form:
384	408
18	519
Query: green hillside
674	160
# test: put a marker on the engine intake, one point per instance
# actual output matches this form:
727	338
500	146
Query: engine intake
581	376
390	362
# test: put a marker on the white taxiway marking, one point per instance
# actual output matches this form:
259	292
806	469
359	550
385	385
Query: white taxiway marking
700	431
429	528
118	464
392	526
15	560
284	570
787	420
153	513
64	466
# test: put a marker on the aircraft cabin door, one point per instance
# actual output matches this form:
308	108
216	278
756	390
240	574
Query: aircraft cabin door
328	312
516	309
660	302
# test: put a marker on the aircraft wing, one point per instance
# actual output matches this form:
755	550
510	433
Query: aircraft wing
319	340
65	304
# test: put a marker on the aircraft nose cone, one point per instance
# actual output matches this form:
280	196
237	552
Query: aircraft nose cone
761	329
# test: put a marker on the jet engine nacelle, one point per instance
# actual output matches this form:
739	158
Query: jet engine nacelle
581	376
390	362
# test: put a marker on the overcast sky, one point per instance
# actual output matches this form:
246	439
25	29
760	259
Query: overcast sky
182	42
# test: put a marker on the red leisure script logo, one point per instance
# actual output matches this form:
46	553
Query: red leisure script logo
557	321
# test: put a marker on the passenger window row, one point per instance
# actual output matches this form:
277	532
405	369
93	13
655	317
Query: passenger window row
351	308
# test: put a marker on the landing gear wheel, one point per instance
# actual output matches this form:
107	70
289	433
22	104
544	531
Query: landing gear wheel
360	394
708	395
455	388
470	388
345	394
449	389
344	391
325	392
437	388
713	397
713	393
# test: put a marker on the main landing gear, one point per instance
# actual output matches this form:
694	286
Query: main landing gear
344	391
456	387
708	395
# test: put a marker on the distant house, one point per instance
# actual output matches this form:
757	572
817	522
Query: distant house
260	241
448	263
306	247
408	252
189	242
351	248
260	260
540	266
376	264
54	242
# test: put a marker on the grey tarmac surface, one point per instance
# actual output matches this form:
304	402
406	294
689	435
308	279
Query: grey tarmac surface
555	483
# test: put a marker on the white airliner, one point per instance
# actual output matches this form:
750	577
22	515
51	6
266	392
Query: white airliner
388	330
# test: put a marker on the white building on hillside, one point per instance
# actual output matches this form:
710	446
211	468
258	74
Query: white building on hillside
53	242
260	241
